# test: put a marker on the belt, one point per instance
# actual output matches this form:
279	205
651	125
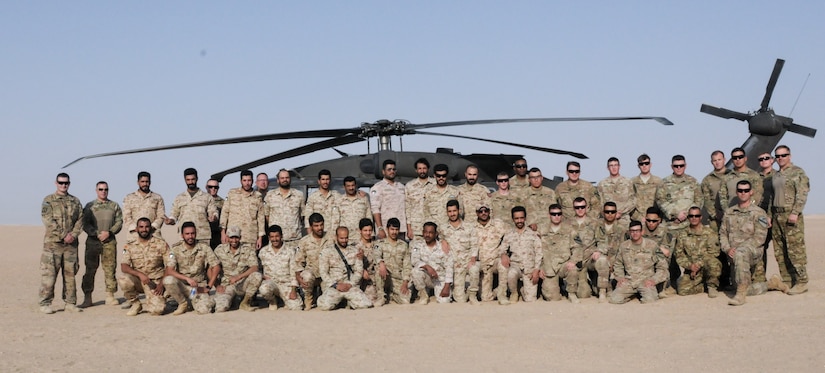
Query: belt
779	210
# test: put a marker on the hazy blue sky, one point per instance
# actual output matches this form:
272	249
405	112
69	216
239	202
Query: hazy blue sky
82	78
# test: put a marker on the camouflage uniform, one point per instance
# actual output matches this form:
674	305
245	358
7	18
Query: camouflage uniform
442	263
306	255
101	216
244	210
710	196
471	197
352	210
285	211
435	203
215	226
414	203
502	205
327	206
488	238
233	264
645	192
791	187
537	202
586	238
137	205
567	192
464	247
525	257
388	200
334	271
370	262
728	198
396	257
516	184
635	264
279	281
191	262
666	242
611	236
700	248
744	229
559	248
620	191
678	193
150	258
197	208
61	215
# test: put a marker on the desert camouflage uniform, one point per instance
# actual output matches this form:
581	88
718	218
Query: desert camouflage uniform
191	262
244	210
587	239
414	202
215	226
137	205
700	248
791	187
710	197
335	271
525	257
285	211
279	281
101	216
435	257
196	208
388	200
61	215
352	210
744	229
665	239
567	192
559	248
635	264
306	255
501	207
233	264
678	193
516	184
396	257
327	206
645	192
151	259
727	193
619	191
369	281
612	236
489	239
471	197
463	246
435	203
537	202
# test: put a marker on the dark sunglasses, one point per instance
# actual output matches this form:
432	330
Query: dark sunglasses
737	157
762	159
645	163
64	182
782	155
692	216
573	171
652	220
743	190
678	165
609	211
213	187
520	165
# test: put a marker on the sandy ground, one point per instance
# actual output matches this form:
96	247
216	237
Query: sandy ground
694	333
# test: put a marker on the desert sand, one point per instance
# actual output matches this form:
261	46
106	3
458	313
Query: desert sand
771	332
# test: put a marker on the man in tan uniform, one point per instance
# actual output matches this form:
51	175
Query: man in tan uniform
279	267
619	190
353	205
574	187
341	272
193	266
638	269
519	179
62	216
239	273
387	199
503	200
324	201
536	199
464	247
710	188
308	251
489	234
102	220
740	235
394	270
524	260
471	193
414	198
432	266
143	203
560	256
436	196
644	188
194	205
212	187
244	209
142	270
283	208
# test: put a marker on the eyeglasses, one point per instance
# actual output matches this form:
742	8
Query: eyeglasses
782	155
213	187
440	176
645	163
64	182
520	165
103	189
737	157
693	216
652	220
503	180
678	165
743	190
482	210
579	207
555	214
573	171
609	211
762	159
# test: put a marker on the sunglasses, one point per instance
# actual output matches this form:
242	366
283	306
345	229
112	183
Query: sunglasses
678	165
555	214
573	171
213	187
645	163
609	211
579	207
482	210
762	159
737	157
502	180
692	216
440	176
103	189
743	190
782	155
652	220
64	182
520	165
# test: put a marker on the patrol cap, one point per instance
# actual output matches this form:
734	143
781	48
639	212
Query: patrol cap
483	205
233	231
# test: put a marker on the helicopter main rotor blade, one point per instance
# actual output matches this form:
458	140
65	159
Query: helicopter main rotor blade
547	150
723	113
802	130
777	68
661	120
233	140
309	148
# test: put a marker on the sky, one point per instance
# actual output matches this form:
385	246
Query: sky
81	78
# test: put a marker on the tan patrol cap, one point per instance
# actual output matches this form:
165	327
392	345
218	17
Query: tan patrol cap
233	231
483	206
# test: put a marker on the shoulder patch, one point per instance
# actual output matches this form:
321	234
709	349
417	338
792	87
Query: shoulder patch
763	220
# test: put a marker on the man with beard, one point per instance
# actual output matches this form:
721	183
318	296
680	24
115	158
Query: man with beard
239	273
262	183
192	266
519	180
432	266
212	187
354	205
436	196
324	201
393	267
471	193
143	203
414	198
536	199
308	251
341	272
142	269
283	208
279	272
524	261
503	200
489	233
244	209
463	245
194	205
387	199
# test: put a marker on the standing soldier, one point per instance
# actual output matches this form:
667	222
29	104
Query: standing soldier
524	246
194	205
324	201
283	208
679	191
387	199
436	196
574	187
740	234
696	251
142	269
353	205
638	269
644	188
536	199
279	269
503	200
489	233
618	189
471	193
394	271
244	209
464	247
341	272
62	215
212	187
710	188
414	198
432	266
560	258
519	180
102	220
192	266
143	203
239	272
790	189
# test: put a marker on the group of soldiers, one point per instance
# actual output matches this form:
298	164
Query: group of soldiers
621	238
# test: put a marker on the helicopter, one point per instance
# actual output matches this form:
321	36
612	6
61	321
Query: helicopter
765	126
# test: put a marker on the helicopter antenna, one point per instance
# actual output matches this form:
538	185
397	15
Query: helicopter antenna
401	142
800	94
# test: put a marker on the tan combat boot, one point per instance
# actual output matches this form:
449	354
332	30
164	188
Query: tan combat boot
775	283
110	299
514	297
573	298
182	308
87	301
72	308
135	309
308	298
799	288
47	310
739	298
501	294
423	297
473	297
246	304
602	295
712	292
